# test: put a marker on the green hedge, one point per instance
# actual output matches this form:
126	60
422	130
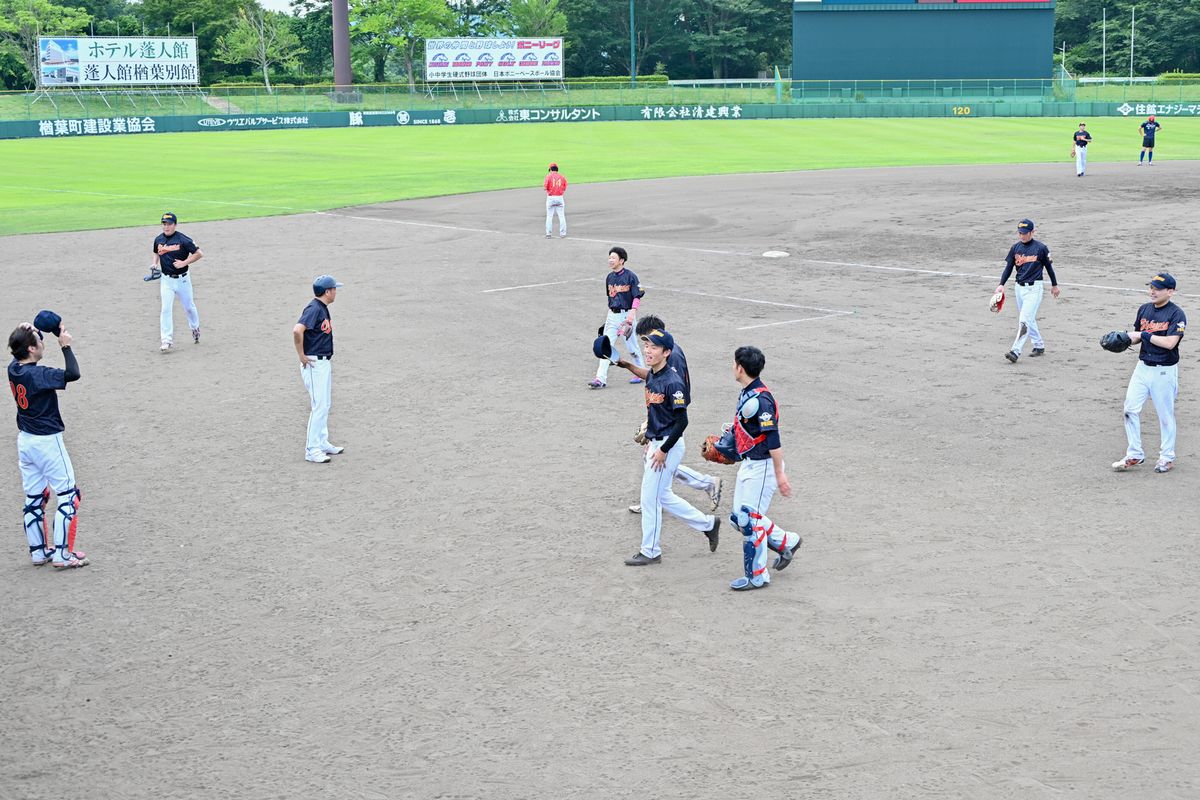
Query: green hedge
1179	77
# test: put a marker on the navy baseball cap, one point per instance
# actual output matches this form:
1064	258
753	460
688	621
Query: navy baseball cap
324	283
660	338
1163	280
169	217
1025	226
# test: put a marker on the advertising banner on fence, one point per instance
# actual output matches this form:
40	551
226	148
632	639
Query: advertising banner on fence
494	59
116	61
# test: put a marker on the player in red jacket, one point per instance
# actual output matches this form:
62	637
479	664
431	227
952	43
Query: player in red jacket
556	186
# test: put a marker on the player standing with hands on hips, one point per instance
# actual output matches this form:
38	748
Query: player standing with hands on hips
624	296
555	186
42	454
174	254
1148	129
1028	257
313	337
1159	326
1079	149
666	420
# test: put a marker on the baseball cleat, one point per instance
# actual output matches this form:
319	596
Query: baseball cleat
1038	351
786	556
69	563
641	560
165	347
320	458
635	379
196	335
334	450
714	495
596	383
713	535
562	236
42	557
1011	356
1127	463
744	584
636	508
548	236
1164	466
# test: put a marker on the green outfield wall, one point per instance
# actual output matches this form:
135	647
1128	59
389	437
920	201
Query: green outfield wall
151	123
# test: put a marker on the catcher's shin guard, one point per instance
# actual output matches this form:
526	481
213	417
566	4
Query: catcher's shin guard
65	521
755	529
35	520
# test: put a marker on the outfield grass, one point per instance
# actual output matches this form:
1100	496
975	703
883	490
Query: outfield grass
115	181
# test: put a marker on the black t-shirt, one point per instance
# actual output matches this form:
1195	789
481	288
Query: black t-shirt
177	246
665	395
1166	321
1082	138
621	287
1148	130
1029	259
35	389
318	329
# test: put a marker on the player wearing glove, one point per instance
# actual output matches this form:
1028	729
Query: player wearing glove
709	484
1116	341
1028	258
1158	327
624	296
997	303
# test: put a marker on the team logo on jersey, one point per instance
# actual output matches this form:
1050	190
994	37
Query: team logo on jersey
765	419
679	401
326	326
654	398
614	289
1154	326
1181	327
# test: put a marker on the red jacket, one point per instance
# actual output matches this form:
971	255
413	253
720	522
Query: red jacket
556	185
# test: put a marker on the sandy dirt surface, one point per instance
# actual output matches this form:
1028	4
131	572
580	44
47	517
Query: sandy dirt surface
981	609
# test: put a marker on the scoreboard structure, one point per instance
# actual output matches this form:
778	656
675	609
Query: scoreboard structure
917	39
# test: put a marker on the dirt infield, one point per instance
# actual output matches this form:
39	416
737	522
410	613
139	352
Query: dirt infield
981	608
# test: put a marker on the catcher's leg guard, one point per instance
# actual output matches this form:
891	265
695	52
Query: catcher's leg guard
754	549
65	520
35	521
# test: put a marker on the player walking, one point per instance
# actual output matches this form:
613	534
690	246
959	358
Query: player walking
666	414
678	362
624	296
1029	257
1159	327
1079	149
761	474
313	338
1148	129
174	254
41	451
555	186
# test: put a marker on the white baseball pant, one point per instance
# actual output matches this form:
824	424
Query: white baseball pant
556	204
1161	385
169	289
318	381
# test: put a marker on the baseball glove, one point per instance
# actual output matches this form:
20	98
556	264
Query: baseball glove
155	274
711	453
1116	341
640	436
997	301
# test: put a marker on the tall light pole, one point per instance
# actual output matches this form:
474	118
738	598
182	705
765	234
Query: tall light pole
342	78
632	47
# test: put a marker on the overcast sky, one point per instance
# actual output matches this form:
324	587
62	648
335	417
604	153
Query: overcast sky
277	5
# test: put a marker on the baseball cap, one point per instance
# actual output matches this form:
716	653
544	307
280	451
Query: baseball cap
552	166
661	338
323	283
1163	280
1151	117
169	217
1025	226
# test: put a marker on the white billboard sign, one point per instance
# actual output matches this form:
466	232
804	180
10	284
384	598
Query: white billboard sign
116	61
533	59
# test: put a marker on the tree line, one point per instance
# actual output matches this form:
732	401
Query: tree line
240	41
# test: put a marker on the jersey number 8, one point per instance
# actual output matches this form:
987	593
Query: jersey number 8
19	395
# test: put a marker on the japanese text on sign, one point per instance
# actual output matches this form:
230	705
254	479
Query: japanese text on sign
115	61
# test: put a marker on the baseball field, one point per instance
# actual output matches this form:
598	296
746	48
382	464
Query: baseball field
981	608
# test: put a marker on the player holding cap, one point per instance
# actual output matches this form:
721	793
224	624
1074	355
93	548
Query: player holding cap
41	451
624	293
666	415
168	248
1029	257
313	337
555	186
1159	326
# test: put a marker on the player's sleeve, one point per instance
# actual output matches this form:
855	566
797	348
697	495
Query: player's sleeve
635	289
768	420
1178	323
1009	262
189	246
308	318
49	378
677	394
1044	255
